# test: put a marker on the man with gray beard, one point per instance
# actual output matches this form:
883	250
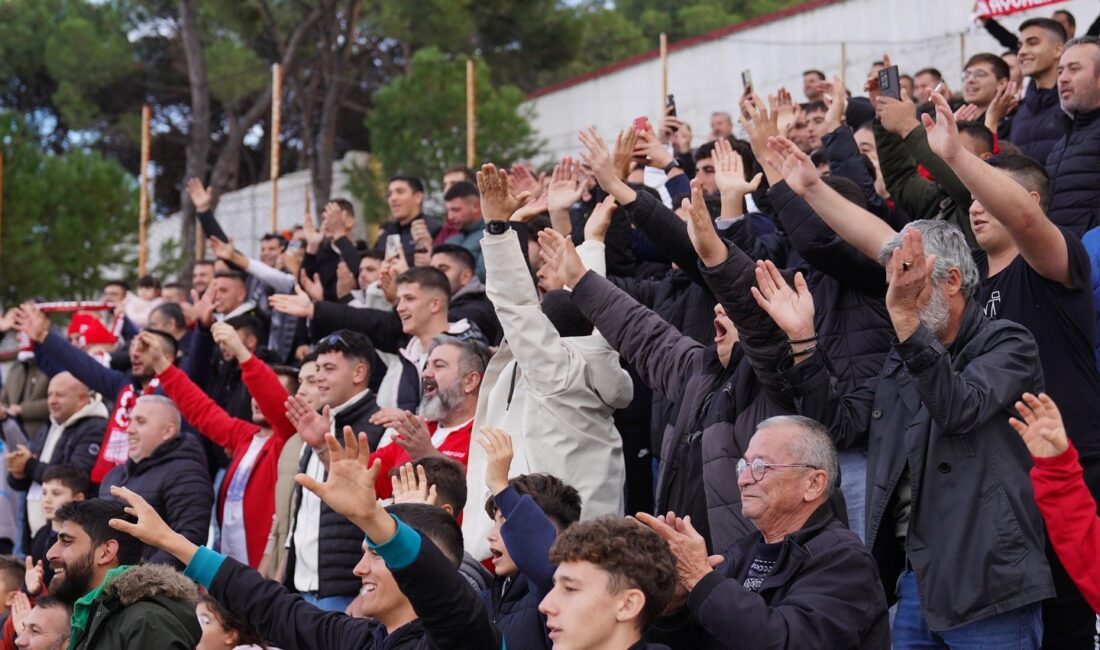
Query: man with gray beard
450	384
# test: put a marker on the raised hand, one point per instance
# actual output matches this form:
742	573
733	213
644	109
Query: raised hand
20	607
624	152
32	578
16	461
413	436
600	220
760	123
908	271
31	321
872	88
332	220
522	180
226	336
200	195
795	167
147	347
1004	102
312	286
598	158
7	321
309	425
345	280
150	528
222	250
310	233
202	307
298	304
1041	426
701	231
498	448
834	116
898	116
729	172
565	186
497	201
528	212
687	546
649	148
410	485
943	133
349	487
967	113
791	309
561	258
784	110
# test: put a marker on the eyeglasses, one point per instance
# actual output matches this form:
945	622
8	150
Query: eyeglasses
977	74
759	467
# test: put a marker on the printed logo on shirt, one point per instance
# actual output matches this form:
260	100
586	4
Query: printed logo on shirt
992	304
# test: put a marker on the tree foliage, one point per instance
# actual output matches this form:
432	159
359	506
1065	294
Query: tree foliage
69	219
418	123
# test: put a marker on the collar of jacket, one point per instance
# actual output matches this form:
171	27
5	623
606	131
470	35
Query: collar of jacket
165	451
972	320
1039	98
792	544
351	405
82	608
471	287
1080	119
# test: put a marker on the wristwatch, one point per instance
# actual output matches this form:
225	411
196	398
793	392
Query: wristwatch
671	165
497	227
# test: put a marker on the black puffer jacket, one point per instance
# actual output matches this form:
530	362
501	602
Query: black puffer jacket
78	446
340	543
849	288
1037	124
471	303
1074	169
175	481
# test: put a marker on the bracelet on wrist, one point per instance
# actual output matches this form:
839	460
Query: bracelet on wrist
808	339
806	352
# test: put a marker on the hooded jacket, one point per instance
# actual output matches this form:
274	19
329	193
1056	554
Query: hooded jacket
175	481
471	303
149	606
26	385
1074	170
555	395
974	537
77	445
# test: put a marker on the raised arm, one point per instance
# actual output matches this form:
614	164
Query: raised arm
102	380
1040	242
855	225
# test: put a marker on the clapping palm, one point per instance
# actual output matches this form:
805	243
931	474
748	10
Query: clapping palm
791	309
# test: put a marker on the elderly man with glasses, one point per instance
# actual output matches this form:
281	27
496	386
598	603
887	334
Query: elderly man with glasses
802	581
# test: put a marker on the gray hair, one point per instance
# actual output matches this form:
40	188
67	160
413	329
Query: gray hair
948	244
1087	40
473	356
813	447
173	411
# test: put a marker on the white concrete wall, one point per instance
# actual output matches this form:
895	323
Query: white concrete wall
245	214
706	77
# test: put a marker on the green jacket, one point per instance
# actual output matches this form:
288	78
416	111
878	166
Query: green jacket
139	607
946	199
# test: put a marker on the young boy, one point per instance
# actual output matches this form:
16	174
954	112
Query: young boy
613	579
11	579
529	511
60	485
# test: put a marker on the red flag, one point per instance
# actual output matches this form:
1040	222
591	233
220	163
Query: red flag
994	8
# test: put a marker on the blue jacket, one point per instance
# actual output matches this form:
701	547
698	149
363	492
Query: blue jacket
514	607
450	614
1091	240
1037	125
1074	169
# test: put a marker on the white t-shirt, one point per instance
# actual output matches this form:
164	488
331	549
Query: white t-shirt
307	530
234	543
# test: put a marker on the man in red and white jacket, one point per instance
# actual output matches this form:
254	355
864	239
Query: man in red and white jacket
246	502
450	384
1068	507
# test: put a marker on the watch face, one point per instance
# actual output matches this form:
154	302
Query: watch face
498	227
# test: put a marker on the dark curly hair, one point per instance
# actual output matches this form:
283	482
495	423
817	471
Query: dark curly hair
558	501
633	555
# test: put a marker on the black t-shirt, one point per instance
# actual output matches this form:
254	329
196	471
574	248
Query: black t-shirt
1063	321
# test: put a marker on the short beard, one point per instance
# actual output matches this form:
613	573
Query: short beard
936	315
75	583
438	406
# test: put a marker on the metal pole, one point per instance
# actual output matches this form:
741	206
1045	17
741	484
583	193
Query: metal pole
471	113
664	73
143	195
276	126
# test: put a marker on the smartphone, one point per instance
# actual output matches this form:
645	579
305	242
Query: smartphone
641	124
670	104
393	246
294	245
888	83
746	79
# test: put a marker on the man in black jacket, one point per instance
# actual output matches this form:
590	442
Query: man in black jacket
468	299
167	469
324	545
413	591
947	479
1074	163
72	438
1036	126
405	197
803	581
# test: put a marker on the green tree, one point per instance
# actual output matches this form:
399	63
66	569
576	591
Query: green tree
70	219
418	123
